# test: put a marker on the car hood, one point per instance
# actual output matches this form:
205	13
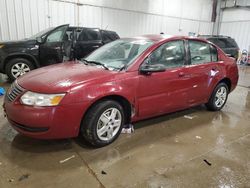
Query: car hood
61	77
8	44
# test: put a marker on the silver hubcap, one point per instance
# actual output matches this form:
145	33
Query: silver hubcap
19	69
109	124
220	97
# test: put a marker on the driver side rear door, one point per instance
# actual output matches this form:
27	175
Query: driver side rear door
88	41
203	69
51	50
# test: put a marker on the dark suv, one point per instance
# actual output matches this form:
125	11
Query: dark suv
51	46
226	43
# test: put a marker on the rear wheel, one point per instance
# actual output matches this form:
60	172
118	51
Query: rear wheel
18	67
218	98
103	123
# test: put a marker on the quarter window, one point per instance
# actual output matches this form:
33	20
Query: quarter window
171	54
201	52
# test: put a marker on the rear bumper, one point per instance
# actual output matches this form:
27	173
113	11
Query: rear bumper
45	122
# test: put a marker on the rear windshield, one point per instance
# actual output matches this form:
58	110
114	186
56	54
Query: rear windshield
224	42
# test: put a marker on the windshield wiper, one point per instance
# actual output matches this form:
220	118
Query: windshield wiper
84	61
122	68
95	62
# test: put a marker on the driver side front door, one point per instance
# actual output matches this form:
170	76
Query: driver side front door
163	92
51	51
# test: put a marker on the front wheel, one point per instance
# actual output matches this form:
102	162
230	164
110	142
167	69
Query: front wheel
218	98
103	123
18	67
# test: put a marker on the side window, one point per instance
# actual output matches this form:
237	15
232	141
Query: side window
170	54
56	35
89	35
83	36
227	42
220	43
199	52
105	37
113	36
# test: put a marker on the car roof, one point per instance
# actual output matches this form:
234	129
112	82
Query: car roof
75	27
214	36
152	37
162	37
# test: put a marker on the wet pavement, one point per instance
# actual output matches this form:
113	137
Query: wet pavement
191	148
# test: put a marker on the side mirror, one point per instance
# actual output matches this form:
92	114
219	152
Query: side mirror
39	40
148	69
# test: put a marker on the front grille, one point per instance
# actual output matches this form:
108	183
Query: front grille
14	91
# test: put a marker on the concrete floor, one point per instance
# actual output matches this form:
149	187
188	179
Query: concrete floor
191	148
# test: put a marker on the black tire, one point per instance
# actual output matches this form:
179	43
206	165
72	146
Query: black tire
14	62
90	122
211	105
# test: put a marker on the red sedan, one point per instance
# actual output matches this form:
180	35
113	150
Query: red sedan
124	81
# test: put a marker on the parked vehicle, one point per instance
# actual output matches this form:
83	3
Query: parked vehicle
226	43
122	82
49	47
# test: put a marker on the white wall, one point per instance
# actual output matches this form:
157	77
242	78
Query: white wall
22	18
236	23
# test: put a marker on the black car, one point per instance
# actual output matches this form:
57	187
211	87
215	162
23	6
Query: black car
226	43
53	45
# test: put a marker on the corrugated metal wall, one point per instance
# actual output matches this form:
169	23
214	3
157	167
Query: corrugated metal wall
236	23
23	18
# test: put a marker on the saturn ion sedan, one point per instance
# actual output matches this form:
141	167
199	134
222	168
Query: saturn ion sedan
122	82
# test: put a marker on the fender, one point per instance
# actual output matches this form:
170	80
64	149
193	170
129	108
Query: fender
20	55
91	93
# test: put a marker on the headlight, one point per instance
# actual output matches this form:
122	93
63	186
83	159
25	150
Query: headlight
1	45
38	99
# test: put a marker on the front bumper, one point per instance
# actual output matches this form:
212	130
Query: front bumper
2	56
57	122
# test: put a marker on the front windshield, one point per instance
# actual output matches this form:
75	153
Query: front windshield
120	53
42	33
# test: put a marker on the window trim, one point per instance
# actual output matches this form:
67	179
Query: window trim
217	56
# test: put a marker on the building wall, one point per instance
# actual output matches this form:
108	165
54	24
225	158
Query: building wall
236	23
23	18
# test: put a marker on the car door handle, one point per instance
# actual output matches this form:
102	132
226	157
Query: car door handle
214	69
181	74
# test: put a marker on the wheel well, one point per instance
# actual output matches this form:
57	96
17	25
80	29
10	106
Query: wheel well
20	56
122	101
227	81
